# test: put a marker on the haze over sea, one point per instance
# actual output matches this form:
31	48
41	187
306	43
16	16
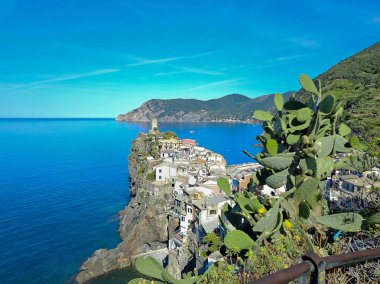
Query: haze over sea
62	182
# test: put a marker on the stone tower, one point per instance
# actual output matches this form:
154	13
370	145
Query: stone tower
154	123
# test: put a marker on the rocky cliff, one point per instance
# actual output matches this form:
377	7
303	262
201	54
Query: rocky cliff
143	228
143	225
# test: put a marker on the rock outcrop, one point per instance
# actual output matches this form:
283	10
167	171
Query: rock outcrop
143	228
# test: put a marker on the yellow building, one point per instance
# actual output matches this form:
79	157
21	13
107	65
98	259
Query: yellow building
169	144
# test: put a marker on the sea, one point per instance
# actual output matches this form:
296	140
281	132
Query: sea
62	182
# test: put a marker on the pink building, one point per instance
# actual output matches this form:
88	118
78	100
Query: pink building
190	142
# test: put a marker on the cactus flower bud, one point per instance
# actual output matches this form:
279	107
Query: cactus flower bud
262	210
287	224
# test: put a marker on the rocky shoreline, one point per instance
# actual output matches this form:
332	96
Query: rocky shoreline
143	229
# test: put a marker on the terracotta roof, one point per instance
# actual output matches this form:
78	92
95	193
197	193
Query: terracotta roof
189	141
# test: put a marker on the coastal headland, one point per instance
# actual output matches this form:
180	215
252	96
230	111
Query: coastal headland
175	201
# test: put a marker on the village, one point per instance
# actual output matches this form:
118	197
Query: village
187	173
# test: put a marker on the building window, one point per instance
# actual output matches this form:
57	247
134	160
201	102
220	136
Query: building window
189	210
160	177
212	212
183	219
160	171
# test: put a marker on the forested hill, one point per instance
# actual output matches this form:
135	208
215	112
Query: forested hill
355	81
231	107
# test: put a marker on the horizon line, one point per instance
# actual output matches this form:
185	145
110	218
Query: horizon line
57	117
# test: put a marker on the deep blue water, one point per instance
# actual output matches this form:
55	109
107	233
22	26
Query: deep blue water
63	181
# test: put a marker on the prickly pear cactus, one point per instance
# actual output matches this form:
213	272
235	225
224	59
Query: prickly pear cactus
155	273
303	139
224	185
300	142
349	222
239	240
304	210
374	219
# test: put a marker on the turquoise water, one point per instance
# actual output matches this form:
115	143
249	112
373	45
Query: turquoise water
63	181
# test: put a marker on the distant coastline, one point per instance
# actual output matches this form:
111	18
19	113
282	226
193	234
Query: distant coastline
115	119
230	108
193	121
55	118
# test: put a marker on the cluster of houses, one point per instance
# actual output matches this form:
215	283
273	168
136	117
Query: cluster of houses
190	172
352	189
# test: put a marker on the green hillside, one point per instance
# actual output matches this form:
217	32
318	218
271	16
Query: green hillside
355	82
231	106
235	106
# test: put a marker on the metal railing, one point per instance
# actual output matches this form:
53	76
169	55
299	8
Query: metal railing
313	268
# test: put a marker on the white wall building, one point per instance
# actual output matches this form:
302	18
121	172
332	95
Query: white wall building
167	154
165	171
199	191
373	173
267	190
186	218
209	207
182	170
178	187
214	157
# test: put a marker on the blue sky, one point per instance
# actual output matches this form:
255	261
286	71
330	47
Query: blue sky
101	58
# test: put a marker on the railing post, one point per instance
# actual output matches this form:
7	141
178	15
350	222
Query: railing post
318	275
305	279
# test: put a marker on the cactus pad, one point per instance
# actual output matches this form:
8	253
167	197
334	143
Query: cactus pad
238	239
348	222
